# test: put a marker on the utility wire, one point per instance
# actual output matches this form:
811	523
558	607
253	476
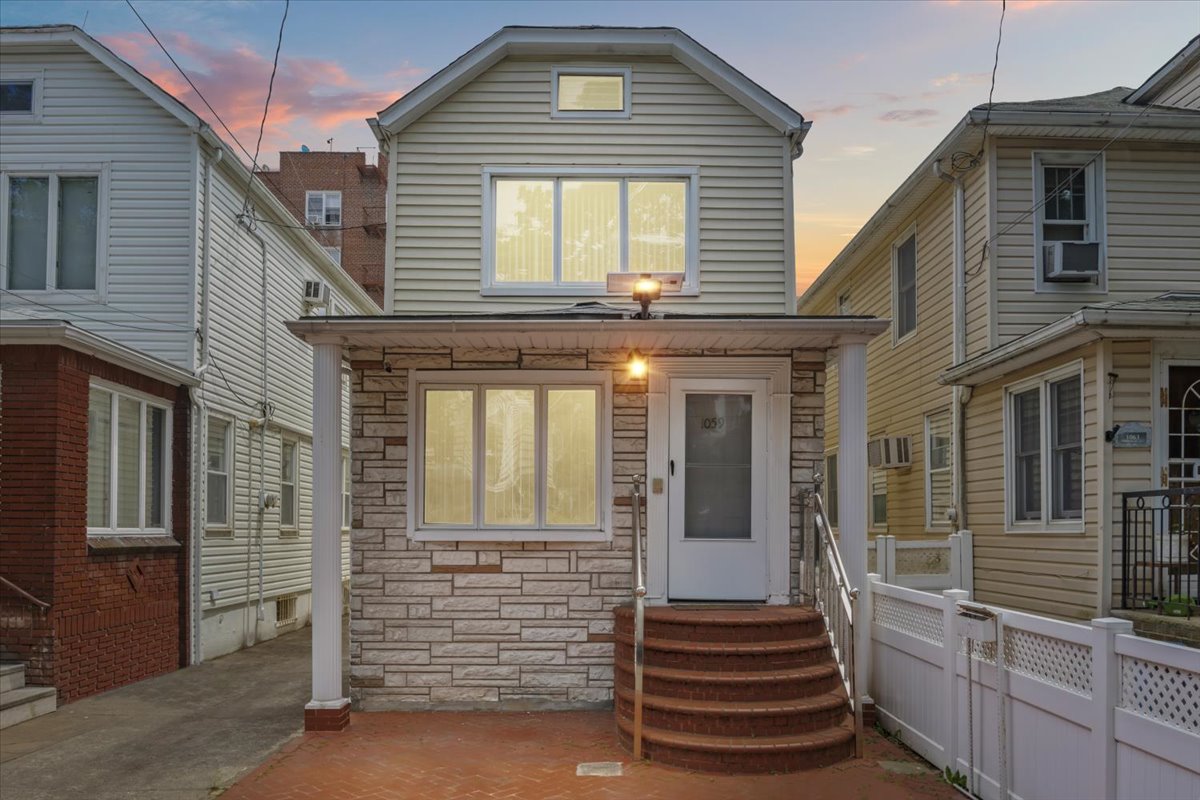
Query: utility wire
100	320
963	160
287	4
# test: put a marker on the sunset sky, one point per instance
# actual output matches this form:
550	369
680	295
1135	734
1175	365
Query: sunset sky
882	81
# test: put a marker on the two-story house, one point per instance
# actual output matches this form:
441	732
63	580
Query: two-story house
155	446
1042	270
589	278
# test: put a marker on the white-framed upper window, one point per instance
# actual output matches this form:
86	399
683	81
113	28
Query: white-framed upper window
522	456
843	304
53	236
563	230
1044	451
879	500
323	209
938	474
219	513
333	252
1068	195
591	92
20	96
289	468
346	509
904	286
831	489
129	462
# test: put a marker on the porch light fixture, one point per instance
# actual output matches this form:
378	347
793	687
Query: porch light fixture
646	290
638	366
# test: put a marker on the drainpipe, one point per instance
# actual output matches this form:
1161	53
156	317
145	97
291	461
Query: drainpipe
959	316
200	419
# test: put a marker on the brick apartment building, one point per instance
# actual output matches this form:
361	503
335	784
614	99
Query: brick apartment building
341	197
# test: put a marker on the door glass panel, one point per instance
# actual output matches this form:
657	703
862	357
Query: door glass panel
717	466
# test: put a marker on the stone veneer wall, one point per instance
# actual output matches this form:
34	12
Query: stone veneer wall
507	624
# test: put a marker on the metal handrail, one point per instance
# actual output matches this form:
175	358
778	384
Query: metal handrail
39	603
639	615
832	593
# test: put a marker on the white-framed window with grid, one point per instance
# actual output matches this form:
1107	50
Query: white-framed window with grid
323	208
129	462
54	232
219	505
289	470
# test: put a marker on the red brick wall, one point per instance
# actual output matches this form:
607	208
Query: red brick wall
115	617
364	193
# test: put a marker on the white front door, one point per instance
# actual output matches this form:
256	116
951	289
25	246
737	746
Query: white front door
717	490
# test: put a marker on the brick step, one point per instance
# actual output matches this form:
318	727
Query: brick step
12	676
750	624
737	718
26	703
743	754
775	684
728	656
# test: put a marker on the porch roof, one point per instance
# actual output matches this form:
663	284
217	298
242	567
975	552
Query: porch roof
1175	314
589	326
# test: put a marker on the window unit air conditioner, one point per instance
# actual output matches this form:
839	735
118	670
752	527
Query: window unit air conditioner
1071	261
891	452
316	294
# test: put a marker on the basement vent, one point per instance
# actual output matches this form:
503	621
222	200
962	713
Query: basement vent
285	610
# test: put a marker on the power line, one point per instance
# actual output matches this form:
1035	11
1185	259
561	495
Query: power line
287	4
963	160
99	320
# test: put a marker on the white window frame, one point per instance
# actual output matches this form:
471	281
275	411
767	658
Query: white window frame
831	497
221	528
874	474
691	273
55	172
1096	229
24	76
843	304
324	194
347	496
334	253
932	524
117	391
290	529
480	381
1046	523
910	233
624	73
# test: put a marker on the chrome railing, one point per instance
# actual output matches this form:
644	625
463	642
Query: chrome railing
639	615
837	600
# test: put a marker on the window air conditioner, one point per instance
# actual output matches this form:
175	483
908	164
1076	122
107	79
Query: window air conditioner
1071	261
891	452
316	294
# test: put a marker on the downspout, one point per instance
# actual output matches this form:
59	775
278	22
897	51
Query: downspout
200	420
959	316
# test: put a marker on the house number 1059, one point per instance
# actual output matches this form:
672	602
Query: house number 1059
713	423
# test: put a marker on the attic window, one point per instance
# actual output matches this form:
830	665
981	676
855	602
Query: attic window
590	92
20	95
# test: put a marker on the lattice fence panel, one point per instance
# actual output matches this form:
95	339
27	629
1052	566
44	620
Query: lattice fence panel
1050	660
1167	694
983	651
922	560
907	617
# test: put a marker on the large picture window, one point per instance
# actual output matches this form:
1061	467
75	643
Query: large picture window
568	232
518	459
51	230
128	463
1044	446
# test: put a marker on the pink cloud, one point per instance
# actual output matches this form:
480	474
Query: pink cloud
919	116
830	111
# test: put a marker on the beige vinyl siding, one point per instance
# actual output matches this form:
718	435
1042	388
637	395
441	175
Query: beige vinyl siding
1184	91
502	118
978	263
1152	198
1044	573
91	116
1132	401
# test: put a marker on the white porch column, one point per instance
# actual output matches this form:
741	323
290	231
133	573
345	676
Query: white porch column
328	709
852	489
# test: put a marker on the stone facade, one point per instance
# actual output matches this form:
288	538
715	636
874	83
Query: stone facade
504	624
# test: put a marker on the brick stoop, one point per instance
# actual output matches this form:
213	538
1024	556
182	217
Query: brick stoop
745	690
327	719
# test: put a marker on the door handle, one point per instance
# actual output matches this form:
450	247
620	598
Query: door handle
672	466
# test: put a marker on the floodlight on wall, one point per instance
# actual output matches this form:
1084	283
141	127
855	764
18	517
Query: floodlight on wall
639	367
646	289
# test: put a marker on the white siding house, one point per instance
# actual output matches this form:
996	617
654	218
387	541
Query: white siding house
197	266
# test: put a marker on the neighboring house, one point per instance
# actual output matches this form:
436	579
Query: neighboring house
502	410
341	197
1013	359
151	394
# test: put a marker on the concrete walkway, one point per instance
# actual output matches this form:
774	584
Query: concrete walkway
189	734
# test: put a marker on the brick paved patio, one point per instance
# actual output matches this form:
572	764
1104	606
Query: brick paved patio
533	756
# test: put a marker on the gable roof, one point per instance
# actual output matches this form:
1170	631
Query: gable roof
264	198
591	40
1148	92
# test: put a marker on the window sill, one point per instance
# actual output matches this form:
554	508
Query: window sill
499	535
583	290
135	543
219	532
1047	529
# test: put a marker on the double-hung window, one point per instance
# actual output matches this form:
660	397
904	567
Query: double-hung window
510	457
323	209
288	469
129	463
565	231
879	498
831	489
220	483
904	287
51	236
345	492
1044	445
1068	200
937	469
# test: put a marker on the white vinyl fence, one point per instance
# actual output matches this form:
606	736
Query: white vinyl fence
928	564
1088	711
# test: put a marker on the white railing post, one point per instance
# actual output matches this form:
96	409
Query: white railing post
1106	689
853	492
967	562
950	600
889	546
866	616
955	561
